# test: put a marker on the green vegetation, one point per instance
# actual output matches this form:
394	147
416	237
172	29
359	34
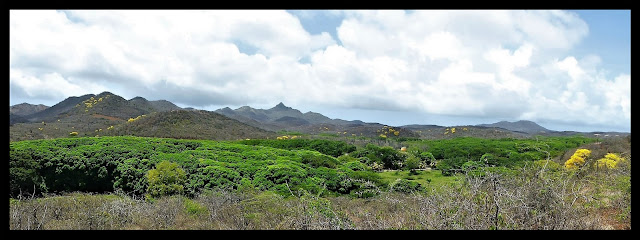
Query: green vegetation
452	154
166	179
139	165
328	147
428	178
458	183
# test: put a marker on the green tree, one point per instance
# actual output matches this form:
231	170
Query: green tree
412	162
427	159
166	179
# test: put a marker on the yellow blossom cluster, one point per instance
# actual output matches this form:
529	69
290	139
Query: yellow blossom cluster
137	118
610	161
91	102
286	137
577	160
388	130
453	130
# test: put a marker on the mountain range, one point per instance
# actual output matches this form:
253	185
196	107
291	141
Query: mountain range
110	114
107	114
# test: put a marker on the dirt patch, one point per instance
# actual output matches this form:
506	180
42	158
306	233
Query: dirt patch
95	115
610	219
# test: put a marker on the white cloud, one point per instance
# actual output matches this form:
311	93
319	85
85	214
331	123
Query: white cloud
50	85
500	64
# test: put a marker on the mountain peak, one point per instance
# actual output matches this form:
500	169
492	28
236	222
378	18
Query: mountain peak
245	108
138	98
105	93
280	106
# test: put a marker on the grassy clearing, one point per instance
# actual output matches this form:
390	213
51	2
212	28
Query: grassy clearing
427	178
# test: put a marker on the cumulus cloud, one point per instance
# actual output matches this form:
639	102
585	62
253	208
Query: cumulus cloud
498	64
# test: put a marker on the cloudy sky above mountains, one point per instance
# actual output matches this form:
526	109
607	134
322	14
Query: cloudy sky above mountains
566	70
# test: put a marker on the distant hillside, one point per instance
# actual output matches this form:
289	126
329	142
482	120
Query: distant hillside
88	115
281	117
519	126
24	109
104	104
13	119
442	132
57	109
163	105
189	124
111	105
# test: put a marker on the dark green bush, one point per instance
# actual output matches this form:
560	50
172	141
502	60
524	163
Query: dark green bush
317	160
328	147
405	186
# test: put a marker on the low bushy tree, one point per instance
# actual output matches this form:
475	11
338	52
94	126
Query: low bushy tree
578	159
166	179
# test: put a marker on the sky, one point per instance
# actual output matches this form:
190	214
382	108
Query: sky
565	70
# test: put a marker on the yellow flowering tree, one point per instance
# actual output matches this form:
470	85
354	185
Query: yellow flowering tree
609	161
578	159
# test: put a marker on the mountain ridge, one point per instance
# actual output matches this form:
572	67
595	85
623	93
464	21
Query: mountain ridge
24	109
95	113
111	115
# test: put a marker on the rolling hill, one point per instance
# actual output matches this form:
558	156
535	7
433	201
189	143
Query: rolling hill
24	109
189	124
519	126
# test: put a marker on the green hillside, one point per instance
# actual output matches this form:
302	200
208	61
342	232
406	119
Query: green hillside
186	124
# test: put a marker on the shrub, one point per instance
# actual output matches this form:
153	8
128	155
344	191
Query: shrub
548	164
318	160
450	165
346	158
283	172
412	162
130	176
444	167
211	177
472	165
356	166
609	161
577	160
405	186
427	159
166	179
